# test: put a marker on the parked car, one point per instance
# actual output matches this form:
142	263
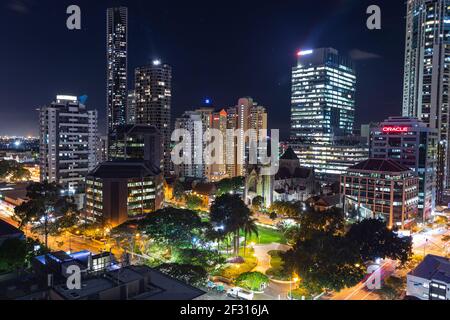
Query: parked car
240	293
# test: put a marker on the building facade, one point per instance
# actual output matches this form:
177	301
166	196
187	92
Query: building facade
122	190
193	165
117	66
323	111
68	142
138	143
427	74
430	280
323	96
131	107
153	94
330	161
381	188
411	143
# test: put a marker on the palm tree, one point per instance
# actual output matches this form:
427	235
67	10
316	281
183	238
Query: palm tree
230	212
249	228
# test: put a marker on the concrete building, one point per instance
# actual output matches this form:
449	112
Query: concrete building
122	190
411	143
193	165
381	188
8	231
68	142
153	94
427	74
102	278
430	280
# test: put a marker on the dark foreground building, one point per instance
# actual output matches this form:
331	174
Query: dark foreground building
122	190
102	279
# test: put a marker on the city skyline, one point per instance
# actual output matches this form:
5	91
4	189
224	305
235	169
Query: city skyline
152	38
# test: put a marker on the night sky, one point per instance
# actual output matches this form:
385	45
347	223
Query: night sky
218	49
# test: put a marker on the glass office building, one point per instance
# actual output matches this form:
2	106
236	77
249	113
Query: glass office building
323	96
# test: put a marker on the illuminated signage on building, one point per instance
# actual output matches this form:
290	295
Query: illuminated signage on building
395	129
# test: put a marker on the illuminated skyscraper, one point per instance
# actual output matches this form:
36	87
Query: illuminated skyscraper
427	74
323	96
153	94
323	112
116	79
68	142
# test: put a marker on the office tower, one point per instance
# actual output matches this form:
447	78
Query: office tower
137	142
68	142
323	96
153	90
131	107
117	66
194	165
322	114
427	74
411	143
381	188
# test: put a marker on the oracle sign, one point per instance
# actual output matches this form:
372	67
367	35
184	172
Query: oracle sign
395	129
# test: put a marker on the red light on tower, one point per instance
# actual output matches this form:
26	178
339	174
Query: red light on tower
395	129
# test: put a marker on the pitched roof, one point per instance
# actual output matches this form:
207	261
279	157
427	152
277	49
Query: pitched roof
7	230
433	268
381	165
125	169
289	154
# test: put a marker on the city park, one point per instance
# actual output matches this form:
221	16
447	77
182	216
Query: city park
309	252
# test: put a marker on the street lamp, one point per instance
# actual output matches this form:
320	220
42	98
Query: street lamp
295	279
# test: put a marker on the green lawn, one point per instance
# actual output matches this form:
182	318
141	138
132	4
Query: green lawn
232	271
267	236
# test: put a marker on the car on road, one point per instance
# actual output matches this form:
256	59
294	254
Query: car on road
240	293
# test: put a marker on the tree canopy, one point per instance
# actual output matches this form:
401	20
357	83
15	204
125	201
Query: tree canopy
376	240
13	171
229	185
230	214
194	275
45	206
172	226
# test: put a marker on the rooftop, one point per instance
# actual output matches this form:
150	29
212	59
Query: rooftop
125	169
433	268
7	230
380	165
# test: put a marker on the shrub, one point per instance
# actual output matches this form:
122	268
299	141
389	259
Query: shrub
252	280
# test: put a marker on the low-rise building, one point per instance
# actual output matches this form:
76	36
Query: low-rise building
122	190
102	278
430	280
381	188
412	143
8	231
